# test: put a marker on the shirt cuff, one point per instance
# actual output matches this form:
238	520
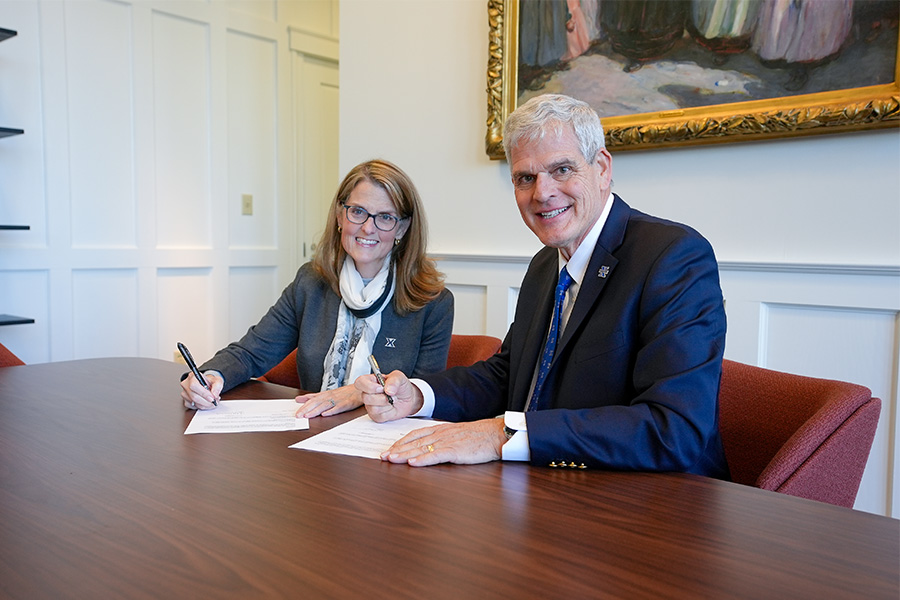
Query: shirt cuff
217	374
427	396
516	447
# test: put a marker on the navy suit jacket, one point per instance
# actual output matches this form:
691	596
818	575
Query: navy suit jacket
635	380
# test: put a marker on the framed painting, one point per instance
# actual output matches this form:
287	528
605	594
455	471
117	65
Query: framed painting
664	73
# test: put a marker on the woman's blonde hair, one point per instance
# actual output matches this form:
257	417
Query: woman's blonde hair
417	279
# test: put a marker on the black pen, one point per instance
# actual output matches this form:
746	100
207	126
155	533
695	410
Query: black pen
378	375
193	366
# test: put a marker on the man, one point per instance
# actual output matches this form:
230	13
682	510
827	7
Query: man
633	380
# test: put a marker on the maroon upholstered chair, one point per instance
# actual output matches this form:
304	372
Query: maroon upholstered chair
464	350
285	372
469	349
8	359
796	435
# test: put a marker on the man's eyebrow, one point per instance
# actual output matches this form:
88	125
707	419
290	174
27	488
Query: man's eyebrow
562	162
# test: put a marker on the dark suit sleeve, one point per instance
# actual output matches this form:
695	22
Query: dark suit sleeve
474	392
653	396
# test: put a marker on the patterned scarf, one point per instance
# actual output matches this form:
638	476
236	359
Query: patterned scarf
359	320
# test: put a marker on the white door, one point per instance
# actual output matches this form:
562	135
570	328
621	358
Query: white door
316	105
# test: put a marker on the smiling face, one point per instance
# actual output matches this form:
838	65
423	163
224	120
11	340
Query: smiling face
366	244
560	195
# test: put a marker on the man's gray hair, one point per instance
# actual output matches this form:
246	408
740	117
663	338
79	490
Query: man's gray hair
550	113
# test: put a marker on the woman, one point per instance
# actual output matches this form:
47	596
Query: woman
369	289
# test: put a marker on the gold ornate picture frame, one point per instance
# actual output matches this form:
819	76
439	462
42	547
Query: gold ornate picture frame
840	110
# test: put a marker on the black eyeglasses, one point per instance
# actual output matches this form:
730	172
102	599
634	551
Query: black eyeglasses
383	221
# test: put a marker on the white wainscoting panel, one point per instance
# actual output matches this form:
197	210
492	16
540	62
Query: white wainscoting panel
99	51
247	309
252	134
470	308
182	295
490	282
831	321
262	9
181	134
108	296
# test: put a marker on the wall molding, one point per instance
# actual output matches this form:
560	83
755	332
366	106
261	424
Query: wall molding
315	44
481	258
730	265
811	268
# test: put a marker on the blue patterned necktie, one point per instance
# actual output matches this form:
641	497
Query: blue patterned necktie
550	347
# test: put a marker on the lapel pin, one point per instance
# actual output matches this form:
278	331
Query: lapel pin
603	272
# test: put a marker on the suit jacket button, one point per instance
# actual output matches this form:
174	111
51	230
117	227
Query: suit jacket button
572	465
552	463
581	466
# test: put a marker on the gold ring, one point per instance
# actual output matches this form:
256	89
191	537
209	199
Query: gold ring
430	448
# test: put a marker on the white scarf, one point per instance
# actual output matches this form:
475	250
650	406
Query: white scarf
359	320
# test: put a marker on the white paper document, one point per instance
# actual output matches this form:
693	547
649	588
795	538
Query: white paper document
362	436
236	416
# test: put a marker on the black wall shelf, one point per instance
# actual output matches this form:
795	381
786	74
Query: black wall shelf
5	34
13	320
6	132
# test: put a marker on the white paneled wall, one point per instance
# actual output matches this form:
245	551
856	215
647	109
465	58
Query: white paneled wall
247	308
485	290
146	123
835	322
105	295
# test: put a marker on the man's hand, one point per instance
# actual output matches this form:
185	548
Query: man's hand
460	443
407	398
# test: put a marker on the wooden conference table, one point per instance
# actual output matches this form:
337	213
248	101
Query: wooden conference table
101	496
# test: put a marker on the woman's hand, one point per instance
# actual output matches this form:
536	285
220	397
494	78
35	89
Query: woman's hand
328	403
195	396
